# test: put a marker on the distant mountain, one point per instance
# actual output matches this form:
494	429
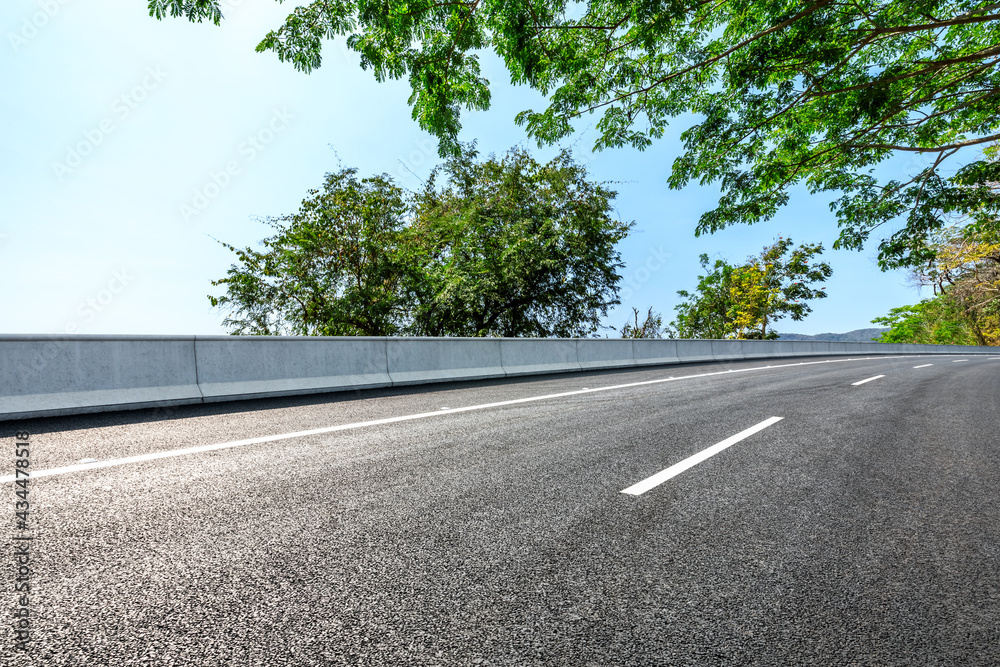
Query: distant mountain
856	336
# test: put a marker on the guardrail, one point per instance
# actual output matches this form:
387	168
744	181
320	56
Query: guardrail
47	375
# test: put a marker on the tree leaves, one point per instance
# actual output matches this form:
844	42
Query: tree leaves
651	327
333	268
964	272
515	248
814	92
193	10
505	247
743	301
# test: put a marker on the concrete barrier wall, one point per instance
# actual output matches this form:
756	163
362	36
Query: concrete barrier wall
259	366
805	348
727	350
653	352
837	348
531	356
44	375
760	349
604	353
769	349
692	351
419	360
54	375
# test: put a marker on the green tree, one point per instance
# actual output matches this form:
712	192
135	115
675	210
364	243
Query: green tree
935	321
511	247
966	271
334	268
505	247
744	301
782	93
706	313
965	277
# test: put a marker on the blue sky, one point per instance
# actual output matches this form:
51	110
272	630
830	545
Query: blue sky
132	144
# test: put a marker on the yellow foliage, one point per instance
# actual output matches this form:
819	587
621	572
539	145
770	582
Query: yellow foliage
751	298
967	270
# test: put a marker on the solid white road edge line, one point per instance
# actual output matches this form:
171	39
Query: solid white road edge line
691	461
855	384
437	413
924	366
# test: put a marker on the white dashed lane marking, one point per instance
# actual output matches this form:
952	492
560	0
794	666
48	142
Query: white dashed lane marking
659	478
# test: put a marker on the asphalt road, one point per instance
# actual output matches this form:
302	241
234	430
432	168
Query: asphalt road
863	528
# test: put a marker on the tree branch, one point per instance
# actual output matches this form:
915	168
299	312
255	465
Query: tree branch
784	24
928	149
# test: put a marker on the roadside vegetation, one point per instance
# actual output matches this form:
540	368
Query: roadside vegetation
965	278
744	301
962	267
504	246
772	95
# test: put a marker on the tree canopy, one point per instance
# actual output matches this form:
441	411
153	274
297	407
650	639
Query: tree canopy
933	321
511	247
503	247
745	300
334	268
965	277
813	92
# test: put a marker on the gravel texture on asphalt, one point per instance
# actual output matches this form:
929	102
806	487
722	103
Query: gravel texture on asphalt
862	529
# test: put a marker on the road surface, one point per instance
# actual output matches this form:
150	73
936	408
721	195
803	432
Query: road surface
820	511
